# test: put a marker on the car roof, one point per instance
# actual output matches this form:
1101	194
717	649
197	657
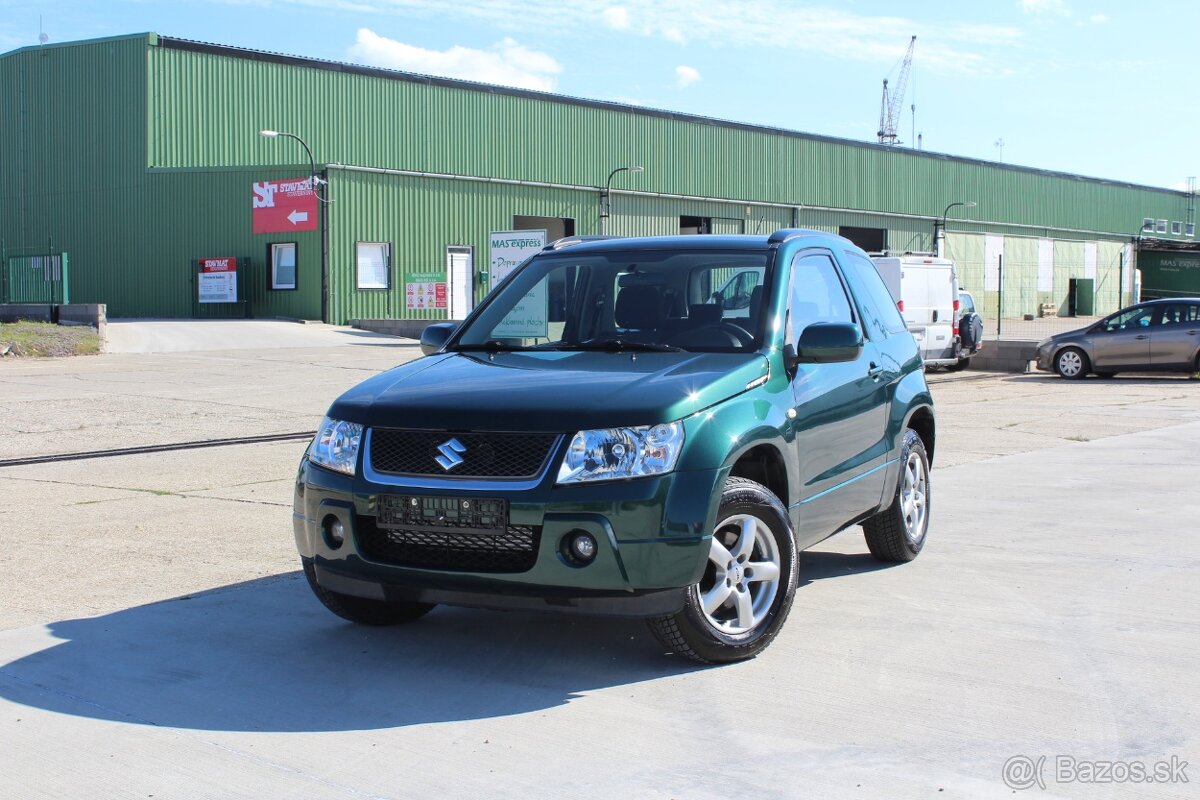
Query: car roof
598	244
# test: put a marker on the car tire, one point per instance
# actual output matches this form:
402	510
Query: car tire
741	602
898	533
1071	363
362	610
959	365
970	329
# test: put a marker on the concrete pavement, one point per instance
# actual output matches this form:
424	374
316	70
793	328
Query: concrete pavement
1053	613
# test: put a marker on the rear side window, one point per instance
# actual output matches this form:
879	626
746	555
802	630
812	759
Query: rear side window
874	300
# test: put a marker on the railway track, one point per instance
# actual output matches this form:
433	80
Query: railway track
156	448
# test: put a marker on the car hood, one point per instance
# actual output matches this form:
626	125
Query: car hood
1067	336
547	391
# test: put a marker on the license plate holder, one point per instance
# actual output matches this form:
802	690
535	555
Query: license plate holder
466	515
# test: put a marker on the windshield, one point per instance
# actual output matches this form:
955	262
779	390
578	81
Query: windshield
649	300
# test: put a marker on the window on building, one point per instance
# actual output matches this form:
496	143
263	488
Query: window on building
282	258
373	265
1176	228
1147	225
873	240
691	225
1160	226
555	227
1190	229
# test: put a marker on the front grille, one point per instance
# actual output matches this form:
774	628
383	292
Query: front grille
514	550
483	455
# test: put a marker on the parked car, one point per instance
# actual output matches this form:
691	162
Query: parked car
970	331
925	290
636	450
1155	335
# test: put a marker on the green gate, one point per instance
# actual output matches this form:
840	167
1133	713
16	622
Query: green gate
35	279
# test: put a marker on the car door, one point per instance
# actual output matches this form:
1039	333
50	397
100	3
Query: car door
838	416
1123	340
1175	336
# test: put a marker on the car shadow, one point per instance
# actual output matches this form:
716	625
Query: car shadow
265	656
817	565
1138	378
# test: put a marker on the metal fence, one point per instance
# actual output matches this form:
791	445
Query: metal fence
35	279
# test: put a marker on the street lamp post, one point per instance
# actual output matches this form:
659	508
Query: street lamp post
312	164
606	195
939	233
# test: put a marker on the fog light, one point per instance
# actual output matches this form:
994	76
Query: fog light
583	547
335	532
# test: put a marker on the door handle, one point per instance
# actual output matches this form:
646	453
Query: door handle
1141	336
875	371
1193	333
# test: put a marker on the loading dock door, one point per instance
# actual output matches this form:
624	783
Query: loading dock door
460	274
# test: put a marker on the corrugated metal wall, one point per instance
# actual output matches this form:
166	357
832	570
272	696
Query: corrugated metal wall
208	106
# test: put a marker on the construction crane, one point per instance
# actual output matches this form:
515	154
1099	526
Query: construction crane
889	105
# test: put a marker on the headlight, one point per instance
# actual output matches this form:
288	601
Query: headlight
336	445
615	453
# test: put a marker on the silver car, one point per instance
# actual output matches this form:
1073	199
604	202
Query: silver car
1155	335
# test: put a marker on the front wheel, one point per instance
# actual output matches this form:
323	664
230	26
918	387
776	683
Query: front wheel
1072	363
742	600
898	532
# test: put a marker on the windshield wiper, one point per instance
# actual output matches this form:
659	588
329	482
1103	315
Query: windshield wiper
616	345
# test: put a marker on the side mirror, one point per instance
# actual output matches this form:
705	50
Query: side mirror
828	343
436	335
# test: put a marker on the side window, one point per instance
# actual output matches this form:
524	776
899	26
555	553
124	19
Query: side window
874	300
1128	320
817	294
1180	314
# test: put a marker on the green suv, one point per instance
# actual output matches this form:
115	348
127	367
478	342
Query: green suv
606	434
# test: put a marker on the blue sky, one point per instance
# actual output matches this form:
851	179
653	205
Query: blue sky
1104	89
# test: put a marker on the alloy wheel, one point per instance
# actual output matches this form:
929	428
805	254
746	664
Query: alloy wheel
914	495
742	576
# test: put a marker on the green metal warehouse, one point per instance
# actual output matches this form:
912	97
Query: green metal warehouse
140	158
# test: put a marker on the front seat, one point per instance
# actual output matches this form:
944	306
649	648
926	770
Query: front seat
639	308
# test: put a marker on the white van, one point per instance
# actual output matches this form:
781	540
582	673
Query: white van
926	292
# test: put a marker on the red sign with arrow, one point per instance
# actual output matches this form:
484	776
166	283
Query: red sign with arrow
284	206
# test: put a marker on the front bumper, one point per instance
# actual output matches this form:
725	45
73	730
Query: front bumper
652	536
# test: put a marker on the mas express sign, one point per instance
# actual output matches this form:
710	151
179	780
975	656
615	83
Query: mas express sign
284	206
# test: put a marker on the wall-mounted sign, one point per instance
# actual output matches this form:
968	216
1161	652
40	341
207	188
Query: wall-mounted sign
528	318
216	280
425	294
284	206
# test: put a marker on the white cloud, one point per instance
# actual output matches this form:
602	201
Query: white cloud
507	63
685	76
674	35
1044	7
616	17
943	45
1098	19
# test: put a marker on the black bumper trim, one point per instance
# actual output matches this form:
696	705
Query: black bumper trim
650	603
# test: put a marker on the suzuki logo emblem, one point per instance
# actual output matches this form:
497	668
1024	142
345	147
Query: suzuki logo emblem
450	454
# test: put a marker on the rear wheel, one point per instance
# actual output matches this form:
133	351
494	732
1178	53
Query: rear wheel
898	532
959	365
740	603
1071	363
361	609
